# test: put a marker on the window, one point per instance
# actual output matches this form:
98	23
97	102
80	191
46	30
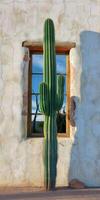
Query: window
35	117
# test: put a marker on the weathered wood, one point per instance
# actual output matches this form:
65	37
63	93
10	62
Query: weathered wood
61	47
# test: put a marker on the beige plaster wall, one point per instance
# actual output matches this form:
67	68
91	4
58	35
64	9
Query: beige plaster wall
21	159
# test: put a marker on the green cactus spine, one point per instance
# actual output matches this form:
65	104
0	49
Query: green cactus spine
51	100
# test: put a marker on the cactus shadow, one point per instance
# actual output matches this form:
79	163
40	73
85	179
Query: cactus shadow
84	146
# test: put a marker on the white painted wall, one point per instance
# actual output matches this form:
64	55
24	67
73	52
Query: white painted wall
21	159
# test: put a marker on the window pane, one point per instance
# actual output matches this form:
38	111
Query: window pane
36	80
61	63
37	123
61	123
63	109
37	63
61	118
37	67
35	103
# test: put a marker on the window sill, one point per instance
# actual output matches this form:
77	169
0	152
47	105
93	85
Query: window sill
63	135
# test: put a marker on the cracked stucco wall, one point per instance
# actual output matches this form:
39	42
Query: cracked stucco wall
21	159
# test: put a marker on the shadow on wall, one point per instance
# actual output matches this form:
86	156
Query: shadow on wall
85	154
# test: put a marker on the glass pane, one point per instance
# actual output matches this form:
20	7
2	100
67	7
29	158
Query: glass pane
63	109
37	63
61	118
36	80
37	67
61	63
37	123
35	103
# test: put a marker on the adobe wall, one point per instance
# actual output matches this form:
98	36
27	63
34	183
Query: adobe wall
21	159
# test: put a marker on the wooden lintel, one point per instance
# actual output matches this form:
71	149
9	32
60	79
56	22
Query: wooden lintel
38	46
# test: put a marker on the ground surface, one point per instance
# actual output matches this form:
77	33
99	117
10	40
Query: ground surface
29	194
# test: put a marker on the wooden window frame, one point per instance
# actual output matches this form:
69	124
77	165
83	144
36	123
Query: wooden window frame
37	48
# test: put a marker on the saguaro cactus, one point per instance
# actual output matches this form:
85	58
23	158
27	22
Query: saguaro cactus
51	100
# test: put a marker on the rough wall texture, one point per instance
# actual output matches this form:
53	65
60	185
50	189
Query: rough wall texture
21	159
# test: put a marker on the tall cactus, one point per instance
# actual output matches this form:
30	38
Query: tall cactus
51	100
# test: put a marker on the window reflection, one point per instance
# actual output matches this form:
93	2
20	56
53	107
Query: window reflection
37	118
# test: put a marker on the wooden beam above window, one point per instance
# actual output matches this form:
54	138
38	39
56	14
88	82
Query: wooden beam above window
61	47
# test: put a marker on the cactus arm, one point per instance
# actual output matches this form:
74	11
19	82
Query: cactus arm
44	104
60	92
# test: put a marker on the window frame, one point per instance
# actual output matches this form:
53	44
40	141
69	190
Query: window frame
36	48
